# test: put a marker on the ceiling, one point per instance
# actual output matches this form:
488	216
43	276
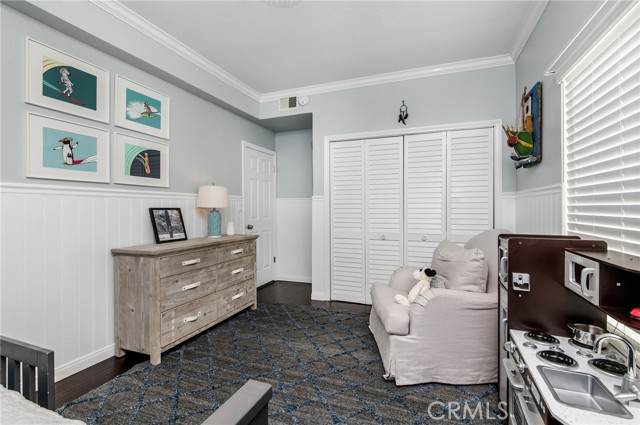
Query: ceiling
278	46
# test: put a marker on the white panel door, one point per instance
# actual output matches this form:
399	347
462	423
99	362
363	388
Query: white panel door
425	196
470	183
383	209
259	207
347	202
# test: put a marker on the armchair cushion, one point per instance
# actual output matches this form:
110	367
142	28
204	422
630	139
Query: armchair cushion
461	269
394	316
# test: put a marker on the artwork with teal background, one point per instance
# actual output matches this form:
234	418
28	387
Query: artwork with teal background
143	109
69	151
68	84
141	162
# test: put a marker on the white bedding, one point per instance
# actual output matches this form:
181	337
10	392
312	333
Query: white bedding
15	409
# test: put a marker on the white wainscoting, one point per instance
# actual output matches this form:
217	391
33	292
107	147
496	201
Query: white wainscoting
539	211
320	266
56	279
293	239
506	217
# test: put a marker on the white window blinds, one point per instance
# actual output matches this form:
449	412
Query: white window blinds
602	139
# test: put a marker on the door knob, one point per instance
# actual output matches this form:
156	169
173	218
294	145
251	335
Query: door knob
250	226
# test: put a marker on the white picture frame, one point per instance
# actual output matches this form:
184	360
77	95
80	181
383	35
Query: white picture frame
140	162
64	83
141	109
63	150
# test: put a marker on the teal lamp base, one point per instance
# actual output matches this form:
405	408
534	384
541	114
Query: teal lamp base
215	224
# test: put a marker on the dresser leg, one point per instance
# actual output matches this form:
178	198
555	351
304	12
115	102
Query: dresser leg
119	351
155	359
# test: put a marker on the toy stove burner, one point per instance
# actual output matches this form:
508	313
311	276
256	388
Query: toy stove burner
584	346
542	338
556	358
584	353
608	367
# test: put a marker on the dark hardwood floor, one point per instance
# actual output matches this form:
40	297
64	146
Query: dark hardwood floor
282	292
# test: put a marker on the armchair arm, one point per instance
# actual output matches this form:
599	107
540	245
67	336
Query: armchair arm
402	278
460	313
462	300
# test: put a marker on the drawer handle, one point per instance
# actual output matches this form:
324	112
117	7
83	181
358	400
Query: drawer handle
190	262
236	271
191	286
192	318
237	251
241	294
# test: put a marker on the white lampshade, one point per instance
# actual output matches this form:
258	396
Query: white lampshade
212	197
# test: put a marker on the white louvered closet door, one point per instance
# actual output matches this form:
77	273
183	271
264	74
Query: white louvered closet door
425	196
469	183
347	221
383	209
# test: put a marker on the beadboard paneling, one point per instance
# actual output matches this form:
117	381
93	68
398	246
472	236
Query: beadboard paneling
56	278
320	265
539	211
293	239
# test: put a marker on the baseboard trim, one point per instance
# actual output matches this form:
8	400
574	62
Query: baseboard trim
84	362
294	278
319	296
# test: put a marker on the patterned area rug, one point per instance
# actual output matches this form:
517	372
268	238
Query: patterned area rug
324	367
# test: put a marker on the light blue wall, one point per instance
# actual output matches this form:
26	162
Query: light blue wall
480	95
560	21
205	143
294	155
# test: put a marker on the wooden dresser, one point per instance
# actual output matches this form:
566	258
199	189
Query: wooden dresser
167	293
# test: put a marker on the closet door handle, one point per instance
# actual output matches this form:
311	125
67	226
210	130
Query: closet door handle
424	239
384	238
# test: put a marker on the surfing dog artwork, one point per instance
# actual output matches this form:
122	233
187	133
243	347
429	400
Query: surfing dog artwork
141	109
67	84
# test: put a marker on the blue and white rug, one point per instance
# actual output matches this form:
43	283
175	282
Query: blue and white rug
323	365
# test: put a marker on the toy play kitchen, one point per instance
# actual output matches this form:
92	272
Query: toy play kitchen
559	363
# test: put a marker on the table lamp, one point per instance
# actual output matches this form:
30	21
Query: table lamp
213	197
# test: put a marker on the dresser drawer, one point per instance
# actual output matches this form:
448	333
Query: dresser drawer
236	250
182	288
188	261
239	295
236	271
187	318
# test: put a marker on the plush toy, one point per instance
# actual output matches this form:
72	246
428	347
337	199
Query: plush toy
423	276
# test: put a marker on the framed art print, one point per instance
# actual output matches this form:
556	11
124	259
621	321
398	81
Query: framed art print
141	109
141	162
61	82
168	225
64	150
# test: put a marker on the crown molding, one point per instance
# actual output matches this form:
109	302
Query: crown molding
126	15
393	77
529	24
129	17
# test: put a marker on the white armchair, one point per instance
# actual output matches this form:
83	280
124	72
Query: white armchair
446	336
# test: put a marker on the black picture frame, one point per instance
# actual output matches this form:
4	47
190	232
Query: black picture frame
168	225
